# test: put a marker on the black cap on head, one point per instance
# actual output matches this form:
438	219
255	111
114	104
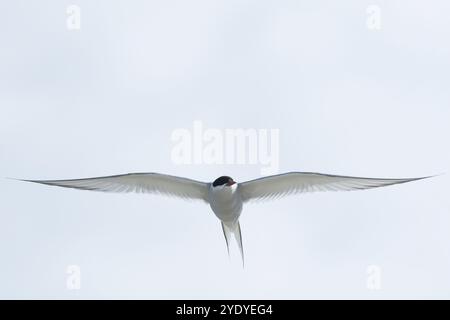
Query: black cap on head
223	180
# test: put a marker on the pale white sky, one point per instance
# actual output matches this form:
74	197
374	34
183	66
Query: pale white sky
106	99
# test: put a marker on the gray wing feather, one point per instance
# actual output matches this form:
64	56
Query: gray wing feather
277	186
153	183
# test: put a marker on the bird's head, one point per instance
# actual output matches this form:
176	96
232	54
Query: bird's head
223	181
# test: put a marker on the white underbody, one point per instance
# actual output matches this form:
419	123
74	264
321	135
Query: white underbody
226	203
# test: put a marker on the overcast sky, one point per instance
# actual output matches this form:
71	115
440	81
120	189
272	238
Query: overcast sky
105	99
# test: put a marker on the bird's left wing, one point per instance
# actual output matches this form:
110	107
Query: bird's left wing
301	182
154	183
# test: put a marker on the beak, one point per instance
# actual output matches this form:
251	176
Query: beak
230	183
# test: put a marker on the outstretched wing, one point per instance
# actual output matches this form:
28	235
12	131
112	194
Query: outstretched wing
277	186
154	183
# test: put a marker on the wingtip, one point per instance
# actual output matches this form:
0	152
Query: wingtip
16	179
439	174
25	180
432	176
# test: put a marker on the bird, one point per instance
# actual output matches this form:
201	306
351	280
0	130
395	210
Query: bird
225	196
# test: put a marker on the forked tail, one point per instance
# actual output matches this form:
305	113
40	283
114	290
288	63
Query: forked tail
235	230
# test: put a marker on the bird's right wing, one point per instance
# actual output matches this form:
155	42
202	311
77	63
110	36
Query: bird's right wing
301	182
154	183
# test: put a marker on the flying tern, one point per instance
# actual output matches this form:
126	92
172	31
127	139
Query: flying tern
225	196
